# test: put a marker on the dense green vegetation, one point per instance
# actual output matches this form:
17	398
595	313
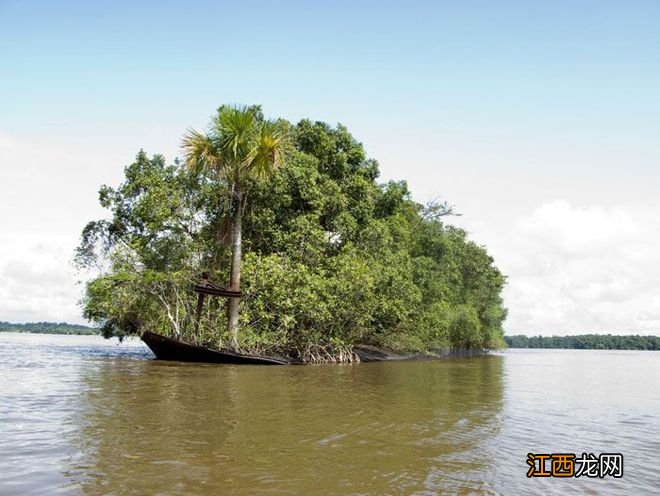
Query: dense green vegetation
239	147
48	328
586	342
331	258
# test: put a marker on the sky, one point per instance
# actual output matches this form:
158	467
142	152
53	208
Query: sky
539	121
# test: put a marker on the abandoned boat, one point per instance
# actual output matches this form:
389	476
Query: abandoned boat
172	349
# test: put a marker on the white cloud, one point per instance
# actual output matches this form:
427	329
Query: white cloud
570	268
38	284
47	194
578	269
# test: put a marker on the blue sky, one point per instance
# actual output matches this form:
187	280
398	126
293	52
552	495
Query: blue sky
437	64
531	117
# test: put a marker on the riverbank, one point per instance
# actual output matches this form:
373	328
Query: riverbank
49	328
586	342
170	349
367	353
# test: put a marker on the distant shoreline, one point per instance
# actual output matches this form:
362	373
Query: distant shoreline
576	342
61	328
586	342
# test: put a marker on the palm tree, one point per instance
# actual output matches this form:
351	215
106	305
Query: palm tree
240	146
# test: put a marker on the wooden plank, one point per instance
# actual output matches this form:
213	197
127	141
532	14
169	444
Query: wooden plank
198	313
217	291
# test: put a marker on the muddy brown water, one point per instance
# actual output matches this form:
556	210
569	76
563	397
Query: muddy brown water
82	415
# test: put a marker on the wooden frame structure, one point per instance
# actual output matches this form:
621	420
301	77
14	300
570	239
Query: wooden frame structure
207	287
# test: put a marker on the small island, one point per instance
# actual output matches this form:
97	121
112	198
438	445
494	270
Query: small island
319	256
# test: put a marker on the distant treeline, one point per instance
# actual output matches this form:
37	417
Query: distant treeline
48	328
586	342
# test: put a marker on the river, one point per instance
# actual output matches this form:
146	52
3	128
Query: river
82	415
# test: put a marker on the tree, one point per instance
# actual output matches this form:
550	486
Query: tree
331	258
147	251
239	147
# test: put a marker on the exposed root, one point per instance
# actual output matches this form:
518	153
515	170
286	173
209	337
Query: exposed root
327	354
311	353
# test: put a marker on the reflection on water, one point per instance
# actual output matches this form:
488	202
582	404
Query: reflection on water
84	415
299	430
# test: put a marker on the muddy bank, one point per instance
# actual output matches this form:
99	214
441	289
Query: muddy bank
367	353
166	348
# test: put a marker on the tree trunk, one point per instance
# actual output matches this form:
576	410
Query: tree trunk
235	278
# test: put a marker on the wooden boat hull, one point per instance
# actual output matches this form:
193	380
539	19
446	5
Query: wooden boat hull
174	350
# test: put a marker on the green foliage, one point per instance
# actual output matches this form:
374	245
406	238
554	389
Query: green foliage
586	342
333	258
48	328
240	148
240	145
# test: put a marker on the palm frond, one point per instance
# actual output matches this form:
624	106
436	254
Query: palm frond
235	127
200	151
238	145
269	151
